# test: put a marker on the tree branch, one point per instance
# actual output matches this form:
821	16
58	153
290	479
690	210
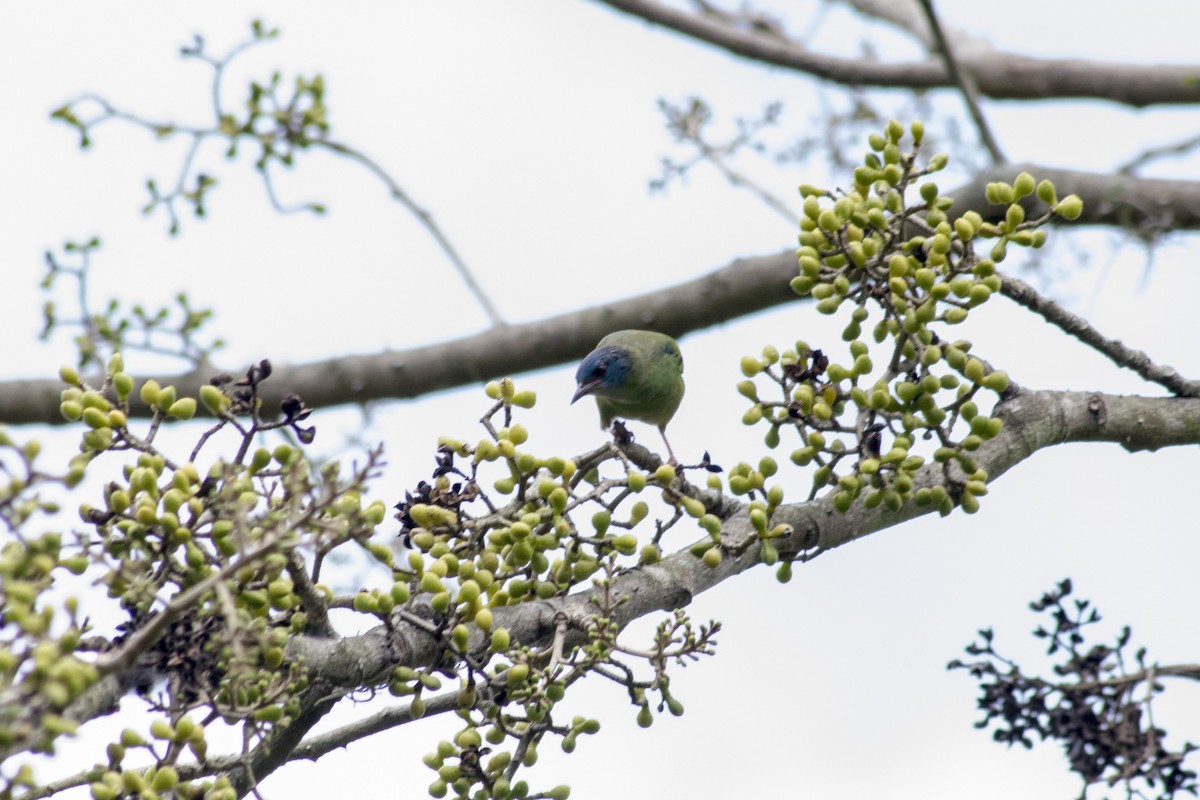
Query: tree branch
425	218
741	288
1033	420
1147	206
1001	76
904	15
1188	671
965	82
1025	295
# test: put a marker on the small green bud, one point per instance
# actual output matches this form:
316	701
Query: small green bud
996	381
974	370
460	637
484	619
998	193
161	729
517	674
1024	185
645	718
182	409
214	399
123	383
95	418
1046	193
1014	217
918	131
693	507
1070	207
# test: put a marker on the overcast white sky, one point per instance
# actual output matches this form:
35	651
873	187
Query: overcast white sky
529	129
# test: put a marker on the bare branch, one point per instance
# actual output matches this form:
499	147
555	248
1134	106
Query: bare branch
1023	294
427	221
1000	75
965	82
1146	206
743	287
1188	671
1151	154
904	15
1032	420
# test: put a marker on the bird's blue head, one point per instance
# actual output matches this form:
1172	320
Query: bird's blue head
603	370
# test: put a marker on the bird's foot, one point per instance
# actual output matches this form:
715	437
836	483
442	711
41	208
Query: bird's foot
621	435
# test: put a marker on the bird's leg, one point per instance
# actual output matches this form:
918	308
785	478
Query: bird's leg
674	462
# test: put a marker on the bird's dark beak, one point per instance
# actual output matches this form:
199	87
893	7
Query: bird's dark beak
585	389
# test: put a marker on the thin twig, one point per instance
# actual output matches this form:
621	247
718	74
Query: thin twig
317	746
1147	676
965	82
1179	148
200	136
426	220
739	180
1025	295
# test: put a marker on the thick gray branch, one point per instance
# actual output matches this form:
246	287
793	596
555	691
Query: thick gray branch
741	288
1032	420
1145	205
1001	76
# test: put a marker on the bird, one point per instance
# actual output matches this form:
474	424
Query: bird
634	375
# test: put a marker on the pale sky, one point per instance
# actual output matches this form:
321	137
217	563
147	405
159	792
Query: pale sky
529	129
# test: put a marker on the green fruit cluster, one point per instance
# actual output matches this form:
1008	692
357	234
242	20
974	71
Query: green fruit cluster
470	768
478	544
164	527
529	548
40	672
887	255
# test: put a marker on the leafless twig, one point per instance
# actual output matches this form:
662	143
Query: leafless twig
1023	294
965	82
